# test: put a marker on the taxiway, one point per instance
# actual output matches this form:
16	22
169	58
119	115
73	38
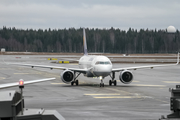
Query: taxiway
147	97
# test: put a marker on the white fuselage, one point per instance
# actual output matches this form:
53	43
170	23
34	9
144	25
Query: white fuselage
97	65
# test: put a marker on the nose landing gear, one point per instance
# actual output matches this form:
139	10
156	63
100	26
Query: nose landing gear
101	84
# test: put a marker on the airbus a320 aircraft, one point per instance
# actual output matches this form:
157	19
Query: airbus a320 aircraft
96	66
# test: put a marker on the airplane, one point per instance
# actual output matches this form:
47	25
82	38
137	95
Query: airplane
7	85
96	66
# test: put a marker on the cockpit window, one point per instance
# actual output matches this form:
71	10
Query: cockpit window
102	63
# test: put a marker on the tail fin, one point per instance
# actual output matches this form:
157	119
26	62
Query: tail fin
84	42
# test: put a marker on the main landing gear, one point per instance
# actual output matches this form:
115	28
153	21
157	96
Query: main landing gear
75	81
112	81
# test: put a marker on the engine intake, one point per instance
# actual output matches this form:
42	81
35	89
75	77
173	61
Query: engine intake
67	76
126	77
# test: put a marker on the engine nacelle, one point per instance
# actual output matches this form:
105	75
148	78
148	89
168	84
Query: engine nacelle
67	76
126	77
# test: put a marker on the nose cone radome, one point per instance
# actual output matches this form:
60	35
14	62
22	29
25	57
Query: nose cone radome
103	70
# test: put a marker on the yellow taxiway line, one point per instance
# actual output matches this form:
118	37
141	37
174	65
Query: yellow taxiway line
114	95
119	97
144	85
100	94
1	78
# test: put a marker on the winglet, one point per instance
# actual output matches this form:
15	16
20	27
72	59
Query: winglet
84	42
177	59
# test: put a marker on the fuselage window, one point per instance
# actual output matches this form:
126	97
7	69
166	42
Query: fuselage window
107	62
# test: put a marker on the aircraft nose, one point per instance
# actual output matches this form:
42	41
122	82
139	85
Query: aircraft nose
103	70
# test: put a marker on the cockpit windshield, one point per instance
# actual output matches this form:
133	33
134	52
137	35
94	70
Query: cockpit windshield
102	63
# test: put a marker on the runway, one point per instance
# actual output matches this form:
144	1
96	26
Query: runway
147	97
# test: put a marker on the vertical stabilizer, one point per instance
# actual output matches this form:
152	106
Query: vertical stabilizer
84	42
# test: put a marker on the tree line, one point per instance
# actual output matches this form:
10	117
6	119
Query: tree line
98	40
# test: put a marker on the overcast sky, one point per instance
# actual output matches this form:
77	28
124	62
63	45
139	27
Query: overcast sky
61	14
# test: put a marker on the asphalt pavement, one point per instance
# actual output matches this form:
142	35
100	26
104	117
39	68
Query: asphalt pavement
146	98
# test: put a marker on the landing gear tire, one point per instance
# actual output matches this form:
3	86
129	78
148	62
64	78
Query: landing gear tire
101	84
77	82
110	82
115	83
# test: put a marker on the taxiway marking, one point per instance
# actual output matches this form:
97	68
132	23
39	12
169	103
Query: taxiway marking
107	96
146	85
171	81
100	94
1	78
120	91
118	97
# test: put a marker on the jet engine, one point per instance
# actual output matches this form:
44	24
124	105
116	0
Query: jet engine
67	76
126	77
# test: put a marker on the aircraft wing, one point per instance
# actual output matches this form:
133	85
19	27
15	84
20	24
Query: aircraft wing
41	66
25	82
141	67
51	67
